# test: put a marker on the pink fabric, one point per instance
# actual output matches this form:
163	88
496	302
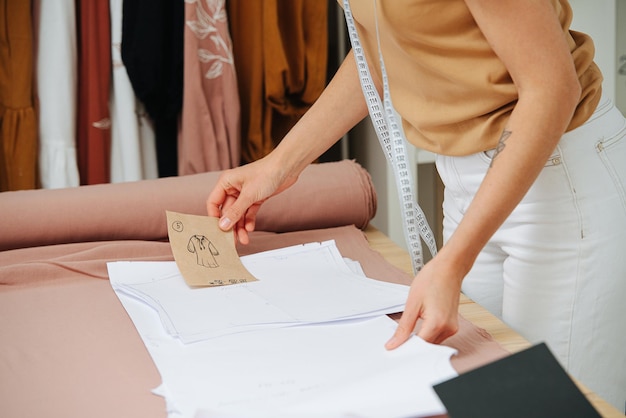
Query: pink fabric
70	350
326	195
68	347
210	137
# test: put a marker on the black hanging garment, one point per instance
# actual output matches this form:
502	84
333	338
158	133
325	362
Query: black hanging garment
152	52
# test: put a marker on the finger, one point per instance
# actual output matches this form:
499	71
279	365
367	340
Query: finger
405	327
234	213
224	223
436	332
242	233
430	333
250	218
242	236
215	201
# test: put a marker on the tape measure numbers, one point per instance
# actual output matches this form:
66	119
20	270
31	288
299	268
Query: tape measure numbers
391	138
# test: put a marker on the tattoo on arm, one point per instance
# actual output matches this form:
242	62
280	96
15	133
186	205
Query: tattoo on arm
501	144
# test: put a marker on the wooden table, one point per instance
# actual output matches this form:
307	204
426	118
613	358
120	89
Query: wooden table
470	310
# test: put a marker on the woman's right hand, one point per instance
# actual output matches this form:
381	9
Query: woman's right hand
239	193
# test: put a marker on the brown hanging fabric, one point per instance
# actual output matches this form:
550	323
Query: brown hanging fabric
18	120
93	142
281	52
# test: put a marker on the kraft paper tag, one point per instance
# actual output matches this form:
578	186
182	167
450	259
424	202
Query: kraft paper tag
204	254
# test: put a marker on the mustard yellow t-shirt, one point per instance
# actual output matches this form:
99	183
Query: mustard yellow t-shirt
453	93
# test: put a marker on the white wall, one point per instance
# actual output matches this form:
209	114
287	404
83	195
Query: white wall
597	18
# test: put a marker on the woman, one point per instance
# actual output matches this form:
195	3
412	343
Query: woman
532	158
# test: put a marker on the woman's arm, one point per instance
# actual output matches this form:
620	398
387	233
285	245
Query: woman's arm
239	192
528	38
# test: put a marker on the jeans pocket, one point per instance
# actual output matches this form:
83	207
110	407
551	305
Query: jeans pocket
612	153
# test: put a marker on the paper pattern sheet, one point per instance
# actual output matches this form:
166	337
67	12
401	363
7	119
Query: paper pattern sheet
305	340
301	284
204	254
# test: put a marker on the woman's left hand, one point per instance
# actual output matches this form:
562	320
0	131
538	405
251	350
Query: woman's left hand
433	298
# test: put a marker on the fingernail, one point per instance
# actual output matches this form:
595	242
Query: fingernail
224	223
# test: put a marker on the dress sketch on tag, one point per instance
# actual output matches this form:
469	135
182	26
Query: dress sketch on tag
204	249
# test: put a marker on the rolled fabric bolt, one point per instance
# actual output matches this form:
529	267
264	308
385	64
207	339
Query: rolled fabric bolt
326	195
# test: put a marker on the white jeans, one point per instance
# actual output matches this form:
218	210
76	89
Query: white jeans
556	269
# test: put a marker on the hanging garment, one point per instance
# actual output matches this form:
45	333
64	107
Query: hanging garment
94	78
152	51
280	49
18	121
133	153
209	138
56	73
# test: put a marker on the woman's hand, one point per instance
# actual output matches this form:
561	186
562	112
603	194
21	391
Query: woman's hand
239	193
434	298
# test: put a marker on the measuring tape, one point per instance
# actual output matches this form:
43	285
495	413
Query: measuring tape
391	138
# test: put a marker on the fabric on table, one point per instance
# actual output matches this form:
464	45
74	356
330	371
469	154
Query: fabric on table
56	67
70	350
18	119
69	344
210	136
287	39
93	136
326	195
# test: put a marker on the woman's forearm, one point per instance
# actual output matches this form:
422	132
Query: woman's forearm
521	155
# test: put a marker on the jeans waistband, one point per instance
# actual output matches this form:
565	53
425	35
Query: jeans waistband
606	120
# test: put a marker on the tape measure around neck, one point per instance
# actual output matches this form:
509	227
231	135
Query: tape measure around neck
391	138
